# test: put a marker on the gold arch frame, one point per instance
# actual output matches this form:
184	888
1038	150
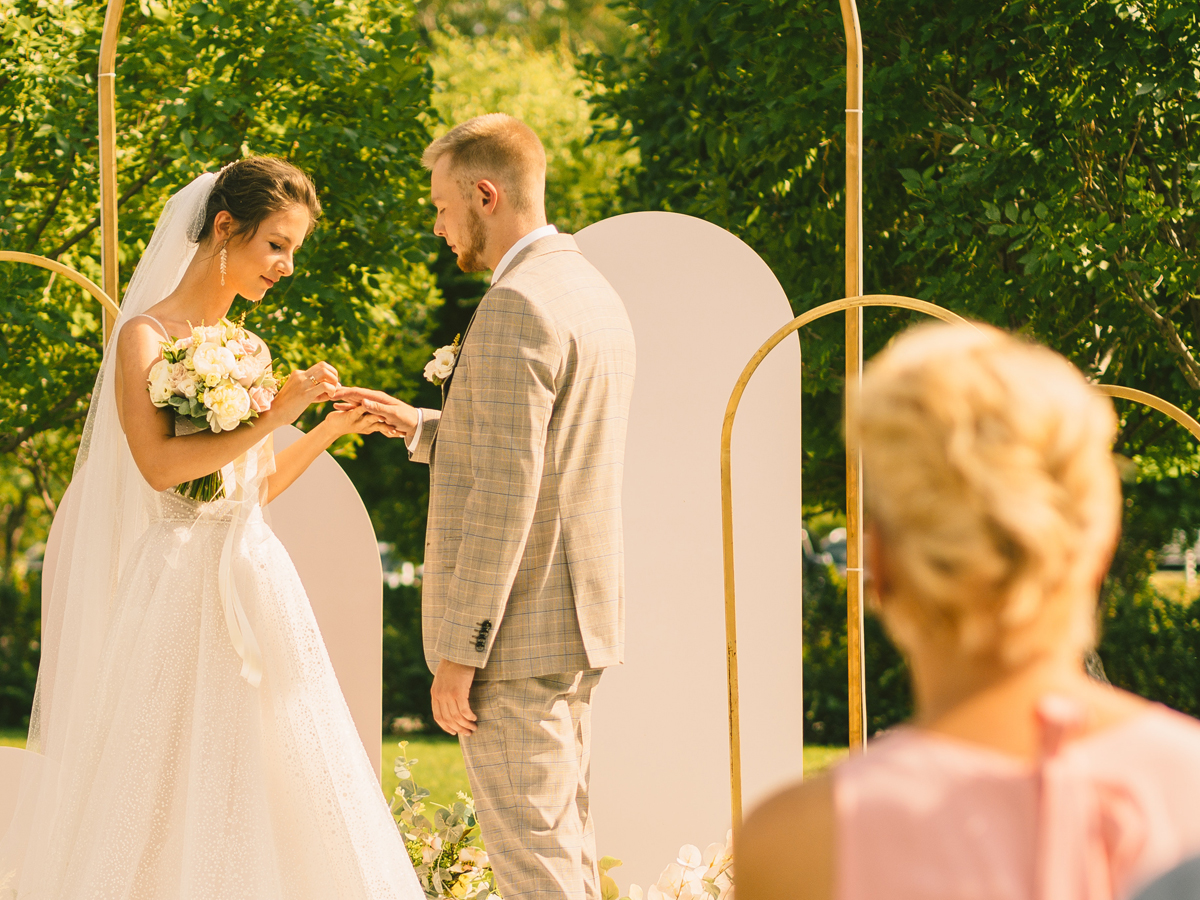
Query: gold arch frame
853	305
110	306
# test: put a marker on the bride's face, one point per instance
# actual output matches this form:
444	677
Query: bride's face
255	264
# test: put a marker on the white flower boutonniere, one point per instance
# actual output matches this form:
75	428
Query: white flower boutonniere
441	367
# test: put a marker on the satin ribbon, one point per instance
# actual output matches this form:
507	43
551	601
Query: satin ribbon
240	633
1090	833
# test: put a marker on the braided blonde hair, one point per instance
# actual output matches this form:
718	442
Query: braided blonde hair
989	472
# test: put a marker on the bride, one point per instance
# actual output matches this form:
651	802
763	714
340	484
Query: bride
192	739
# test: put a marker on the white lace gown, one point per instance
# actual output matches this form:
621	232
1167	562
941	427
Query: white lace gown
188	782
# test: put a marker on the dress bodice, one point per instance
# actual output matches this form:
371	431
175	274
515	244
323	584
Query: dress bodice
245	489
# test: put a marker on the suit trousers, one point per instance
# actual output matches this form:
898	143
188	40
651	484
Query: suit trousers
529	763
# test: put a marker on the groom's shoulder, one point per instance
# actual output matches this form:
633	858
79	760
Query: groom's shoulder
553	266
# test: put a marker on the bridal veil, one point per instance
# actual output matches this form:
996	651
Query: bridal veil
103	515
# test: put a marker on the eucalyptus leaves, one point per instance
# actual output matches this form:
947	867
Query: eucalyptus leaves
449	862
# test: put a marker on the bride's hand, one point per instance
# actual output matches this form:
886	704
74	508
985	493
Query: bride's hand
305	387
355	420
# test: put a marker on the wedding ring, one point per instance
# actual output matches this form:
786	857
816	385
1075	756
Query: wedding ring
312	379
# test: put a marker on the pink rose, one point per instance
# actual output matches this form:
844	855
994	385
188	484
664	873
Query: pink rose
260	399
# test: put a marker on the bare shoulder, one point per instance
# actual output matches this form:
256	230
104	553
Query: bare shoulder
786	850
139	342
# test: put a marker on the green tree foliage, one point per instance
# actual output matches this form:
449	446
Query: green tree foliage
1151	645
543	89
406	679
1028	164
826	683
341	89
569	24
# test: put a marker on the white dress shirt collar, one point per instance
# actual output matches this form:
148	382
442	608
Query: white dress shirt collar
520	245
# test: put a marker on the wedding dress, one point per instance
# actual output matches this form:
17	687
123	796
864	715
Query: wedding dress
194	742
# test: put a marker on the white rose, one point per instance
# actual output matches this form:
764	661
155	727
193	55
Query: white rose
247	370
227	405
213	359
441	366
183	380
160	383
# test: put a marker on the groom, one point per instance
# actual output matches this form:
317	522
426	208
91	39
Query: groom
523	597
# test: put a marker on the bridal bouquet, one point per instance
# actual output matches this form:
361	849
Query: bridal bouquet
216	378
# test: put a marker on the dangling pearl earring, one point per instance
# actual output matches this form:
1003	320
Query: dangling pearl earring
223	259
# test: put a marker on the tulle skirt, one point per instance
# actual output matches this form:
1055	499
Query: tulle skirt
187	782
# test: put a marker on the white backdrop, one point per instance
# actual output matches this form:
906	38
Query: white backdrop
701	302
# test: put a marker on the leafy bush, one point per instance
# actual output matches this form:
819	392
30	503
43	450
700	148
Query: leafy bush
826	685
406	677
1028	164
1151	646
1148	643
19	649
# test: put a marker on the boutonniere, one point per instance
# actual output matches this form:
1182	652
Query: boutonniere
441	367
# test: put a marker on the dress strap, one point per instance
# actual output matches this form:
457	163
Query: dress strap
160	325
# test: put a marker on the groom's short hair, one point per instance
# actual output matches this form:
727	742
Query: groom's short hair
496	147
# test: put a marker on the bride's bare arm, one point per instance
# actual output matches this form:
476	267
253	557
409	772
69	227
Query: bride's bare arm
166	460
291	462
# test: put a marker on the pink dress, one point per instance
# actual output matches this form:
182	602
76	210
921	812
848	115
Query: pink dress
921	816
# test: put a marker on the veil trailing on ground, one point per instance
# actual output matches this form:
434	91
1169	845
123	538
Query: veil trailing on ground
103	515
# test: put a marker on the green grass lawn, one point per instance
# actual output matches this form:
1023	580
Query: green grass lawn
817	758
440	768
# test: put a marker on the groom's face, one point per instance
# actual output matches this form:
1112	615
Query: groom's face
458	221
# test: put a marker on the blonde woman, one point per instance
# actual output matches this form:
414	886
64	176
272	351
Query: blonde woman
993	511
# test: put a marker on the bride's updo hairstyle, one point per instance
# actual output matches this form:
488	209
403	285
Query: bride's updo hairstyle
989	476
257	187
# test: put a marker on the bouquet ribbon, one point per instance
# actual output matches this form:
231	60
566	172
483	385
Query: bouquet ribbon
240	633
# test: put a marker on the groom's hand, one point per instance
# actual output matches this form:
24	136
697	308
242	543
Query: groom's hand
398	416
451	697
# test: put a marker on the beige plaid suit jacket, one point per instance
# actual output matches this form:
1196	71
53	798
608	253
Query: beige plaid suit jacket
524	566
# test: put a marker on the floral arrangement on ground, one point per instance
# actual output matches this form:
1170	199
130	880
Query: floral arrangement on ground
443	844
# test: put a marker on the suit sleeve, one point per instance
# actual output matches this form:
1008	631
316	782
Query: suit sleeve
514	358
420	452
